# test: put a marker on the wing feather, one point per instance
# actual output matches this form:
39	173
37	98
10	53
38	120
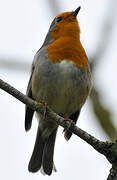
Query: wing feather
28	111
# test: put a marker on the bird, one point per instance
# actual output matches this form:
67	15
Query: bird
61	78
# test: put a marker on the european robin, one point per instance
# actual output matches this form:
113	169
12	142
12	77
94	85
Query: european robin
60	77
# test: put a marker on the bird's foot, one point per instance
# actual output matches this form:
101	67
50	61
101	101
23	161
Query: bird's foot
69	124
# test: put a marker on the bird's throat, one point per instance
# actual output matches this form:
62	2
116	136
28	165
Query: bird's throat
69	49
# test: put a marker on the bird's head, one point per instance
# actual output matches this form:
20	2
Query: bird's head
63	40
65	24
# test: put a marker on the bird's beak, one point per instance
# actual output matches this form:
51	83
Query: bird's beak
75	13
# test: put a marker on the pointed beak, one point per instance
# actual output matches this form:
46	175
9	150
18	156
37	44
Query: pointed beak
75	13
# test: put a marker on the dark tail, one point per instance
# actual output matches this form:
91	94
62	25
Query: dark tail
43	153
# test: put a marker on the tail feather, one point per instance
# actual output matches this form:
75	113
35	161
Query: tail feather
36	158
48	153
42	156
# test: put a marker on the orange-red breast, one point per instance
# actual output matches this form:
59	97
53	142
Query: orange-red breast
61	78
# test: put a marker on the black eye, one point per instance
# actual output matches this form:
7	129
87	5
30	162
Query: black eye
58	19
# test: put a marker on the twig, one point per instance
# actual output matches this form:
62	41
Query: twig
54	7
13	64
102	113
109	150
113	174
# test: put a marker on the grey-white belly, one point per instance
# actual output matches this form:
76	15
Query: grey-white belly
61	85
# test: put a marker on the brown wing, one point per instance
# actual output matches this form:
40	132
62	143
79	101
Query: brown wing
28	111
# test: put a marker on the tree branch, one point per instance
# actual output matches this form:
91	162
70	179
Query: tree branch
103	114
109	150
13	64
54	7
113	174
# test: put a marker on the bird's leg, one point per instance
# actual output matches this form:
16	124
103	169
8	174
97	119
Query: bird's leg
46	108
